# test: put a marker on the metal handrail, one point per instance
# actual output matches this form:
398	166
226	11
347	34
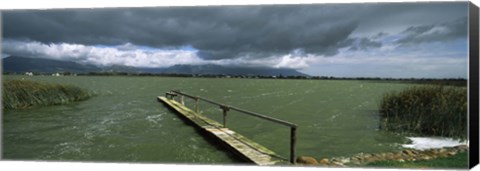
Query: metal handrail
226	108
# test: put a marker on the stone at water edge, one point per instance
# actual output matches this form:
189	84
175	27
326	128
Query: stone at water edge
408	152
400	156
389	156
373	159
355	160
305	160
324	161
367	155
461	148
451	153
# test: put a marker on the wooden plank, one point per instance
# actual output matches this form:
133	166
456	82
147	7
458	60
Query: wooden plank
236	143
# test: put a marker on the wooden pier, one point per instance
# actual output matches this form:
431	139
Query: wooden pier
236	143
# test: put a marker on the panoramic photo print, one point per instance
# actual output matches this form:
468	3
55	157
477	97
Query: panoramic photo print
356	85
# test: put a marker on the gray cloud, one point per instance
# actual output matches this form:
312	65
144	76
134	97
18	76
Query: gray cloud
104	56
227	32
396	17
435	32
218	32
365	43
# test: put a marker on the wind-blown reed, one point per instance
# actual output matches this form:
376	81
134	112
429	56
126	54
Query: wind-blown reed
19	94
426	110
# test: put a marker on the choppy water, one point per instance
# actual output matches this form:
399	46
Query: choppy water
125	122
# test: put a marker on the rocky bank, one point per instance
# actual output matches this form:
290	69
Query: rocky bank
364	158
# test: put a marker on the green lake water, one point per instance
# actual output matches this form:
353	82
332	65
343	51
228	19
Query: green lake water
124	122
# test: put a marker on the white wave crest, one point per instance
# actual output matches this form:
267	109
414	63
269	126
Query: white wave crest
424	143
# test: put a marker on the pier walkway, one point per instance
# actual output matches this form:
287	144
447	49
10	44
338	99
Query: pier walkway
234	142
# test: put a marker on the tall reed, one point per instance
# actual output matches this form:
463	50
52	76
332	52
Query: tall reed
426	110
19	94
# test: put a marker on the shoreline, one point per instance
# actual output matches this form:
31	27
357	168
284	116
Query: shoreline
362	159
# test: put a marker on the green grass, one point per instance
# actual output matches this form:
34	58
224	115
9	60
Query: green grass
19	94
458	161
426	110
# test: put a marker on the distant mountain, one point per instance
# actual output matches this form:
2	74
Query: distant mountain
23	64
120	68
226	70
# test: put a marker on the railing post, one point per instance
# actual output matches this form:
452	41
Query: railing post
170	95
225	110
293	139
197	107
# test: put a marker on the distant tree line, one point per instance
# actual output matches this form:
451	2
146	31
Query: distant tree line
436	81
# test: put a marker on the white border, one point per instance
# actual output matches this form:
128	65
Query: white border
90	166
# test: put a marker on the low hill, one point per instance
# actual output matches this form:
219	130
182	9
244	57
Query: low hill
226	70
23	64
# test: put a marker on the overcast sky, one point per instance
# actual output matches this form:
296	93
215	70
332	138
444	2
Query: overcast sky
354	40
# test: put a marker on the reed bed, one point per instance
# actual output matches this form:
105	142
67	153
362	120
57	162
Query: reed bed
18	94
426	110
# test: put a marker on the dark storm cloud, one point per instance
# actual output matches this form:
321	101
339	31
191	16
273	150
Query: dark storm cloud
219	32
395	17
435	32
364	44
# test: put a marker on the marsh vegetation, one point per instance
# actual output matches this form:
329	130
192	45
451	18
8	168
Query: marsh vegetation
18	94
426	110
